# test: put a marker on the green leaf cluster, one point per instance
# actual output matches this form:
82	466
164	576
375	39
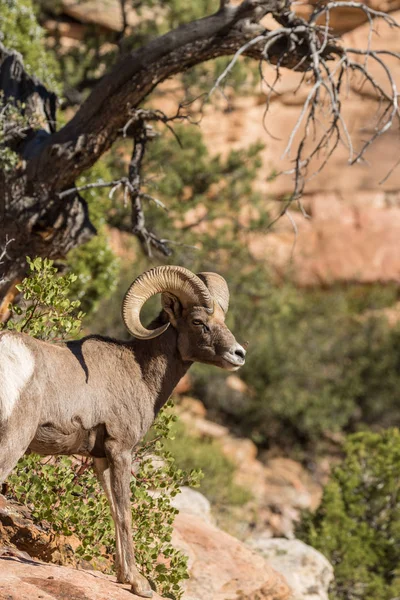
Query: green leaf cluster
357	525
46	312
20	31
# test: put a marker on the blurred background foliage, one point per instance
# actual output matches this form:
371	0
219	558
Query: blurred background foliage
21	31
321	361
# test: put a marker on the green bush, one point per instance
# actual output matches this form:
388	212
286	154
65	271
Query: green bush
20	31
357	525
45	311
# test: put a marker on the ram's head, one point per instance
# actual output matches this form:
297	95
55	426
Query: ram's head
195	306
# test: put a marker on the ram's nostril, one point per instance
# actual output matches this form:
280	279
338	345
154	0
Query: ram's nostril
240	352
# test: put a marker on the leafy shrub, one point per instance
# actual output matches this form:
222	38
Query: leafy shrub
357	525
67	494
46	311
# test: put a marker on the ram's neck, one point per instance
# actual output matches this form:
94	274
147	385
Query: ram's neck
161	364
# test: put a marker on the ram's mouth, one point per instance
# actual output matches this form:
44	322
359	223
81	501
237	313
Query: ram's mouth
234	361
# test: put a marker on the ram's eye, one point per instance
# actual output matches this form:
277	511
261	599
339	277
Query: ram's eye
199	323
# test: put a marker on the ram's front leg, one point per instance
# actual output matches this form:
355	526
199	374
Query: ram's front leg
120	462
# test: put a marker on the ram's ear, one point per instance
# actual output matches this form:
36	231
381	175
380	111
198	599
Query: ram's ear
172	307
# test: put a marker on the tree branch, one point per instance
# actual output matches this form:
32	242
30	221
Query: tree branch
148	239
97	124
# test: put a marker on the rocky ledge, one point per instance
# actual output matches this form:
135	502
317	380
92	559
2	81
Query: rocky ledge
221	567
23	578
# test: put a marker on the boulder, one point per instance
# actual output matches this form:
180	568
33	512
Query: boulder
223	568
184	385
354	226
191	502
306	570
280	487
104	13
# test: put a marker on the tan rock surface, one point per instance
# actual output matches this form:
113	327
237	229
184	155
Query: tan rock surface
308	572
345	19
354	226
106	13
222	568
347	241
27	579
184	385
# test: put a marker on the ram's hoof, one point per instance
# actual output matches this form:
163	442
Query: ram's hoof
141	587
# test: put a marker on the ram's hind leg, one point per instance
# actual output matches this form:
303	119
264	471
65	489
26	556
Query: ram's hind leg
102	469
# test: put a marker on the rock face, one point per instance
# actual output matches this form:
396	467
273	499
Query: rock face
222	568
104	13
27	579
306	570
354	226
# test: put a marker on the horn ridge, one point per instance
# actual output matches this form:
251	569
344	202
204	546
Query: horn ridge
218	288
179	281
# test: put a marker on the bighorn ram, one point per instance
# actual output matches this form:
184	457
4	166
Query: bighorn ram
98	397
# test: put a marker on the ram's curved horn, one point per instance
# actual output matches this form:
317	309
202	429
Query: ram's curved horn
218	288
179	281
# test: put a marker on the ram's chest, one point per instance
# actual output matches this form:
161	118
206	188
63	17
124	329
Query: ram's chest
17	364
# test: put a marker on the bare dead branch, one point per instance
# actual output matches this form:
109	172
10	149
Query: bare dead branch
234	60
323	101
3	254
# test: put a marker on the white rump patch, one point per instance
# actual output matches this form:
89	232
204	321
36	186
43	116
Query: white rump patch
16	368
